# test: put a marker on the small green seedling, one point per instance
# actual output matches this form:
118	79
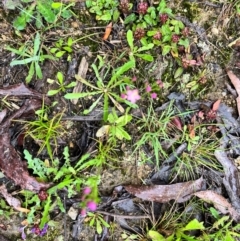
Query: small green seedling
32	55
96	219
115	128
60	82
44	130
105	10
62	48
37	10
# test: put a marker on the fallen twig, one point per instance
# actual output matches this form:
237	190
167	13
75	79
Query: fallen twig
123	216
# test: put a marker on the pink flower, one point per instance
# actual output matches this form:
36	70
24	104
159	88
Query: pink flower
83	213
123	96
153	95
134	78
160	83
87	190
148	88
92	205
133	96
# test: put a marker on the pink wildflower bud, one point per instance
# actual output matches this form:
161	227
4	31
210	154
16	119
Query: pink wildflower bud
153	95
87	190
148	88
160	83
123	96
83	213
92	205
134	78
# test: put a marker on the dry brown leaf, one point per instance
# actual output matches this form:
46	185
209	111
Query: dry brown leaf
219	202
108	30
236	83
180	192
216	105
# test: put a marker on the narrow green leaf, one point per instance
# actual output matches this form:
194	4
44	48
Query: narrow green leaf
121	70
59	54
105	107
130	18
178	72
24	61
30	73
94	104
36	45
52	92
130	39
166	50
56	5
38	70
72	84
146	57
121	133
79	78
70	96
147	47
123	120
99	227
70	42
45	214
60	77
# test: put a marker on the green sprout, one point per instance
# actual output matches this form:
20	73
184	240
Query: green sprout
60	82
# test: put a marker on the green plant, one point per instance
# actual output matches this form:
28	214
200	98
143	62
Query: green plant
180	233
45	130
61	48
199	153
63	176
222	229
131	237
135	51
115	128
153	131
60	82
104	90
38	10
32	55
96	219
105	10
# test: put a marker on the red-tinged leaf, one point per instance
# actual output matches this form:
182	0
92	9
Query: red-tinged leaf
216	105
180	192
191	131
219	202
177	122
108	30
